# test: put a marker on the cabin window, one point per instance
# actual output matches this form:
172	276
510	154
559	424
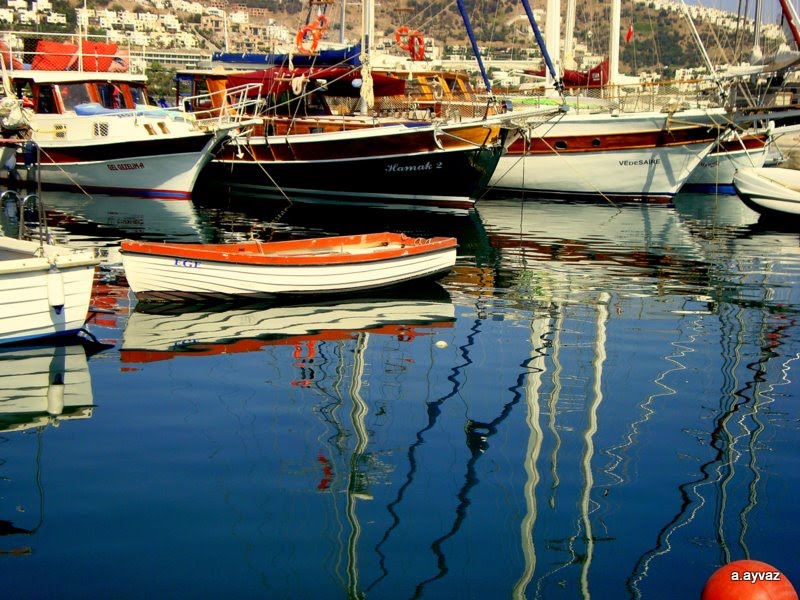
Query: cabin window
204	100
315	104
111	96
596	142
44	101
73	94
138	94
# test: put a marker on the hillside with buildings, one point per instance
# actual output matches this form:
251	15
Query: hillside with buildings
183	31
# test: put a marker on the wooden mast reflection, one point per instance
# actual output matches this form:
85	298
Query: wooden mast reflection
357	479
536	370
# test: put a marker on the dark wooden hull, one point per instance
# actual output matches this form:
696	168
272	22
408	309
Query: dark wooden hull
399	170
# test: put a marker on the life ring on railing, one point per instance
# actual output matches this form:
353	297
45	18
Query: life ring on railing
399	34
416	45
322	23
300	41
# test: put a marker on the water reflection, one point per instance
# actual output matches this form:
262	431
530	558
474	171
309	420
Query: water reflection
556	249
43	385
237	216
163	331
589	405
40	387
99	221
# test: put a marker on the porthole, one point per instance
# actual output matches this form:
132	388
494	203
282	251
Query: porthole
596	143
561	145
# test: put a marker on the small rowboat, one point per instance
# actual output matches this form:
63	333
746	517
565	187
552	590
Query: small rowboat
770	191
331	265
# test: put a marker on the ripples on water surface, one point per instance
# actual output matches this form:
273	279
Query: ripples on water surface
597	402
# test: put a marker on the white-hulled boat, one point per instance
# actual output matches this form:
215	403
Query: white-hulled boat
770	191
332	265
736	151
96	128
45	290
630	156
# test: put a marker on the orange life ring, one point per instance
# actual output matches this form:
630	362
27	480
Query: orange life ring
416	45
300	41
322	23
399	34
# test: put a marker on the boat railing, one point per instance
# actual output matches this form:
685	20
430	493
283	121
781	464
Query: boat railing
665	96
229	106
69	52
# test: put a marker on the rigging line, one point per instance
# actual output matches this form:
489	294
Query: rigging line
58	166
433	410
249	150
715	37
478	435
575	172
722	90
719	437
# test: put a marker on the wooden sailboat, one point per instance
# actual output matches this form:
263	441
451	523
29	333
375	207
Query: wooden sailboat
621	156
346	134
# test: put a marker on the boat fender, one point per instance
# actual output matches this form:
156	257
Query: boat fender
55	397
11	163
10	200
29	153
437	90
297	85
55	289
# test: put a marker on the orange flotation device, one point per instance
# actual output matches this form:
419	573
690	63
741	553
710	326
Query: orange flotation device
416	45
401	37
313	32
410	41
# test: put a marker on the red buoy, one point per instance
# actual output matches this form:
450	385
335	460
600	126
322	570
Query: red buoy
748	580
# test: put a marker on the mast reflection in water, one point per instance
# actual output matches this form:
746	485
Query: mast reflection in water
598	402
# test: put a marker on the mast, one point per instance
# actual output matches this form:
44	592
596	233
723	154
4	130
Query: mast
613	46
557	83
552	37
367	30
343	21
790	14
569	36
474	43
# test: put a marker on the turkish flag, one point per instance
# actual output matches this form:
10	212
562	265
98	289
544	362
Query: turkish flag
629	35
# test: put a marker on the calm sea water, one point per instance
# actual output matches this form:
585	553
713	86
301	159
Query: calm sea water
597	402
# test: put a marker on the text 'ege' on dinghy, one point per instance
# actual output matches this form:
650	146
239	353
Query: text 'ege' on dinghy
331	265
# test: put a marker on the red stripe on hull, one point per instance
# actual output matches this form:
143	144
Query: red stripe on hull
592	143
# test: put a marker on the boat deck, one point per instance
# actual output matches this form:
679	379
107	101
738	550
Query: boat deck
8	254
